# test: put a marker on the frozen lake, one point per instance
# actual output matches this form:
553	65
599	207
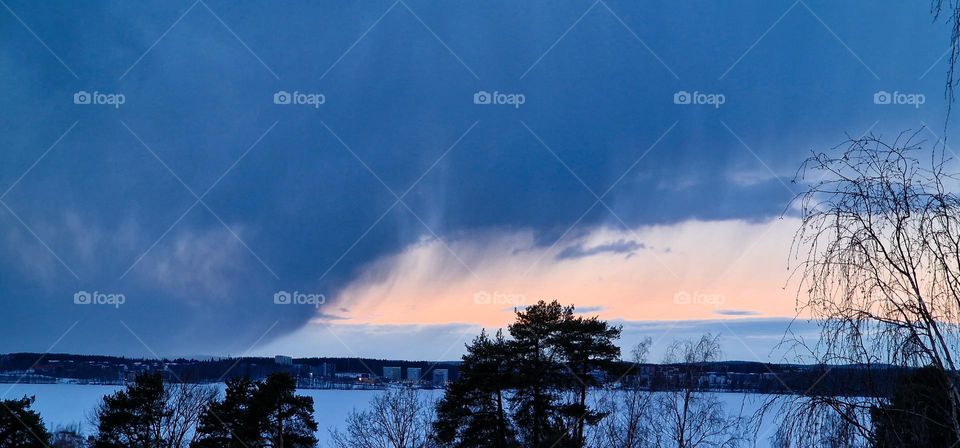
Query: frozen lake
65	404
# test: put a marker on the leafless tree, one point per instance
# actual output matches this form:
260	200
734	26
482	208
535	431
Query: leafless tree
878	254
173	415
628	423
811	425
186	403
690	416
686	416
953	11
68	436
397	418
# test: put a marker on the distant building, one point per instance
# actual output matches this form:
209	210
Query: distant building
324	370
283	360
440	377
391	373
352	376
414	374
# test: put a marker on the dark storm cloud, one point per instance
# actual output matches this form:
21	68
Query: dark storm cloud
199	198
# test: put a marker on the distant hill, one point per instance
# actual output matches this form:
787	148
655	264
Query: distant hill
743	376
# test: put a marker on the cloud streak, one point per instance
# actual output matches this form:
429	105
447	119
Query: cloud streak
617	247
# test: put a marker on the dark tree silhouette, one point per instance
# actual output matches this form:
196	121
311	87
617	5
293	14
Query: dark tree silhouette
586	346
551	356
918	413
540	374
228	423
259	414
133	417
151	414
287	418
20	426
472	413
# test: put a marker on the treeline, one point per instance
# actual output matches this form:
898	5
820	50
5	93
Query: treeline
768	378
734	376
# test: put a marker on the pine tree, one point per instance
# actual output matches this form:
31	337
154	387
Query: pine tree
228	423
259	414
472	413
20	426
287	419
551	354
587	345
133	417
539	373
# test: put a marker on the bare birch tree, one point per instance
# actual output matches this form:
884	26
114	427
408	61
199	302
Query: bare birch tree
397	418
689	416
151	414
879	267
628	422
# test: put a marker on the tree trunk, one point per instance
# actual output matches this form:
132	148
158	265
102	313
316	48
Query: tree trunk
501	422
583	406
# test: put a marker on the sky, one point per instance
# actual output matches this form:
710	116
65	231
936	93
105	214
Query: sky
386	178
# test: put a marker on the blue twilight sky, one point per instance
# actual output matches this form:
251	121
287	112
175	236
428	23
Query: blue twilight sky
199	198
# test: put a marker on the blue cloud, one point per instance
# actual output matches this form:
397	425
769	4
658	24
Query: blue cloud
617	247
589	309
736	313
